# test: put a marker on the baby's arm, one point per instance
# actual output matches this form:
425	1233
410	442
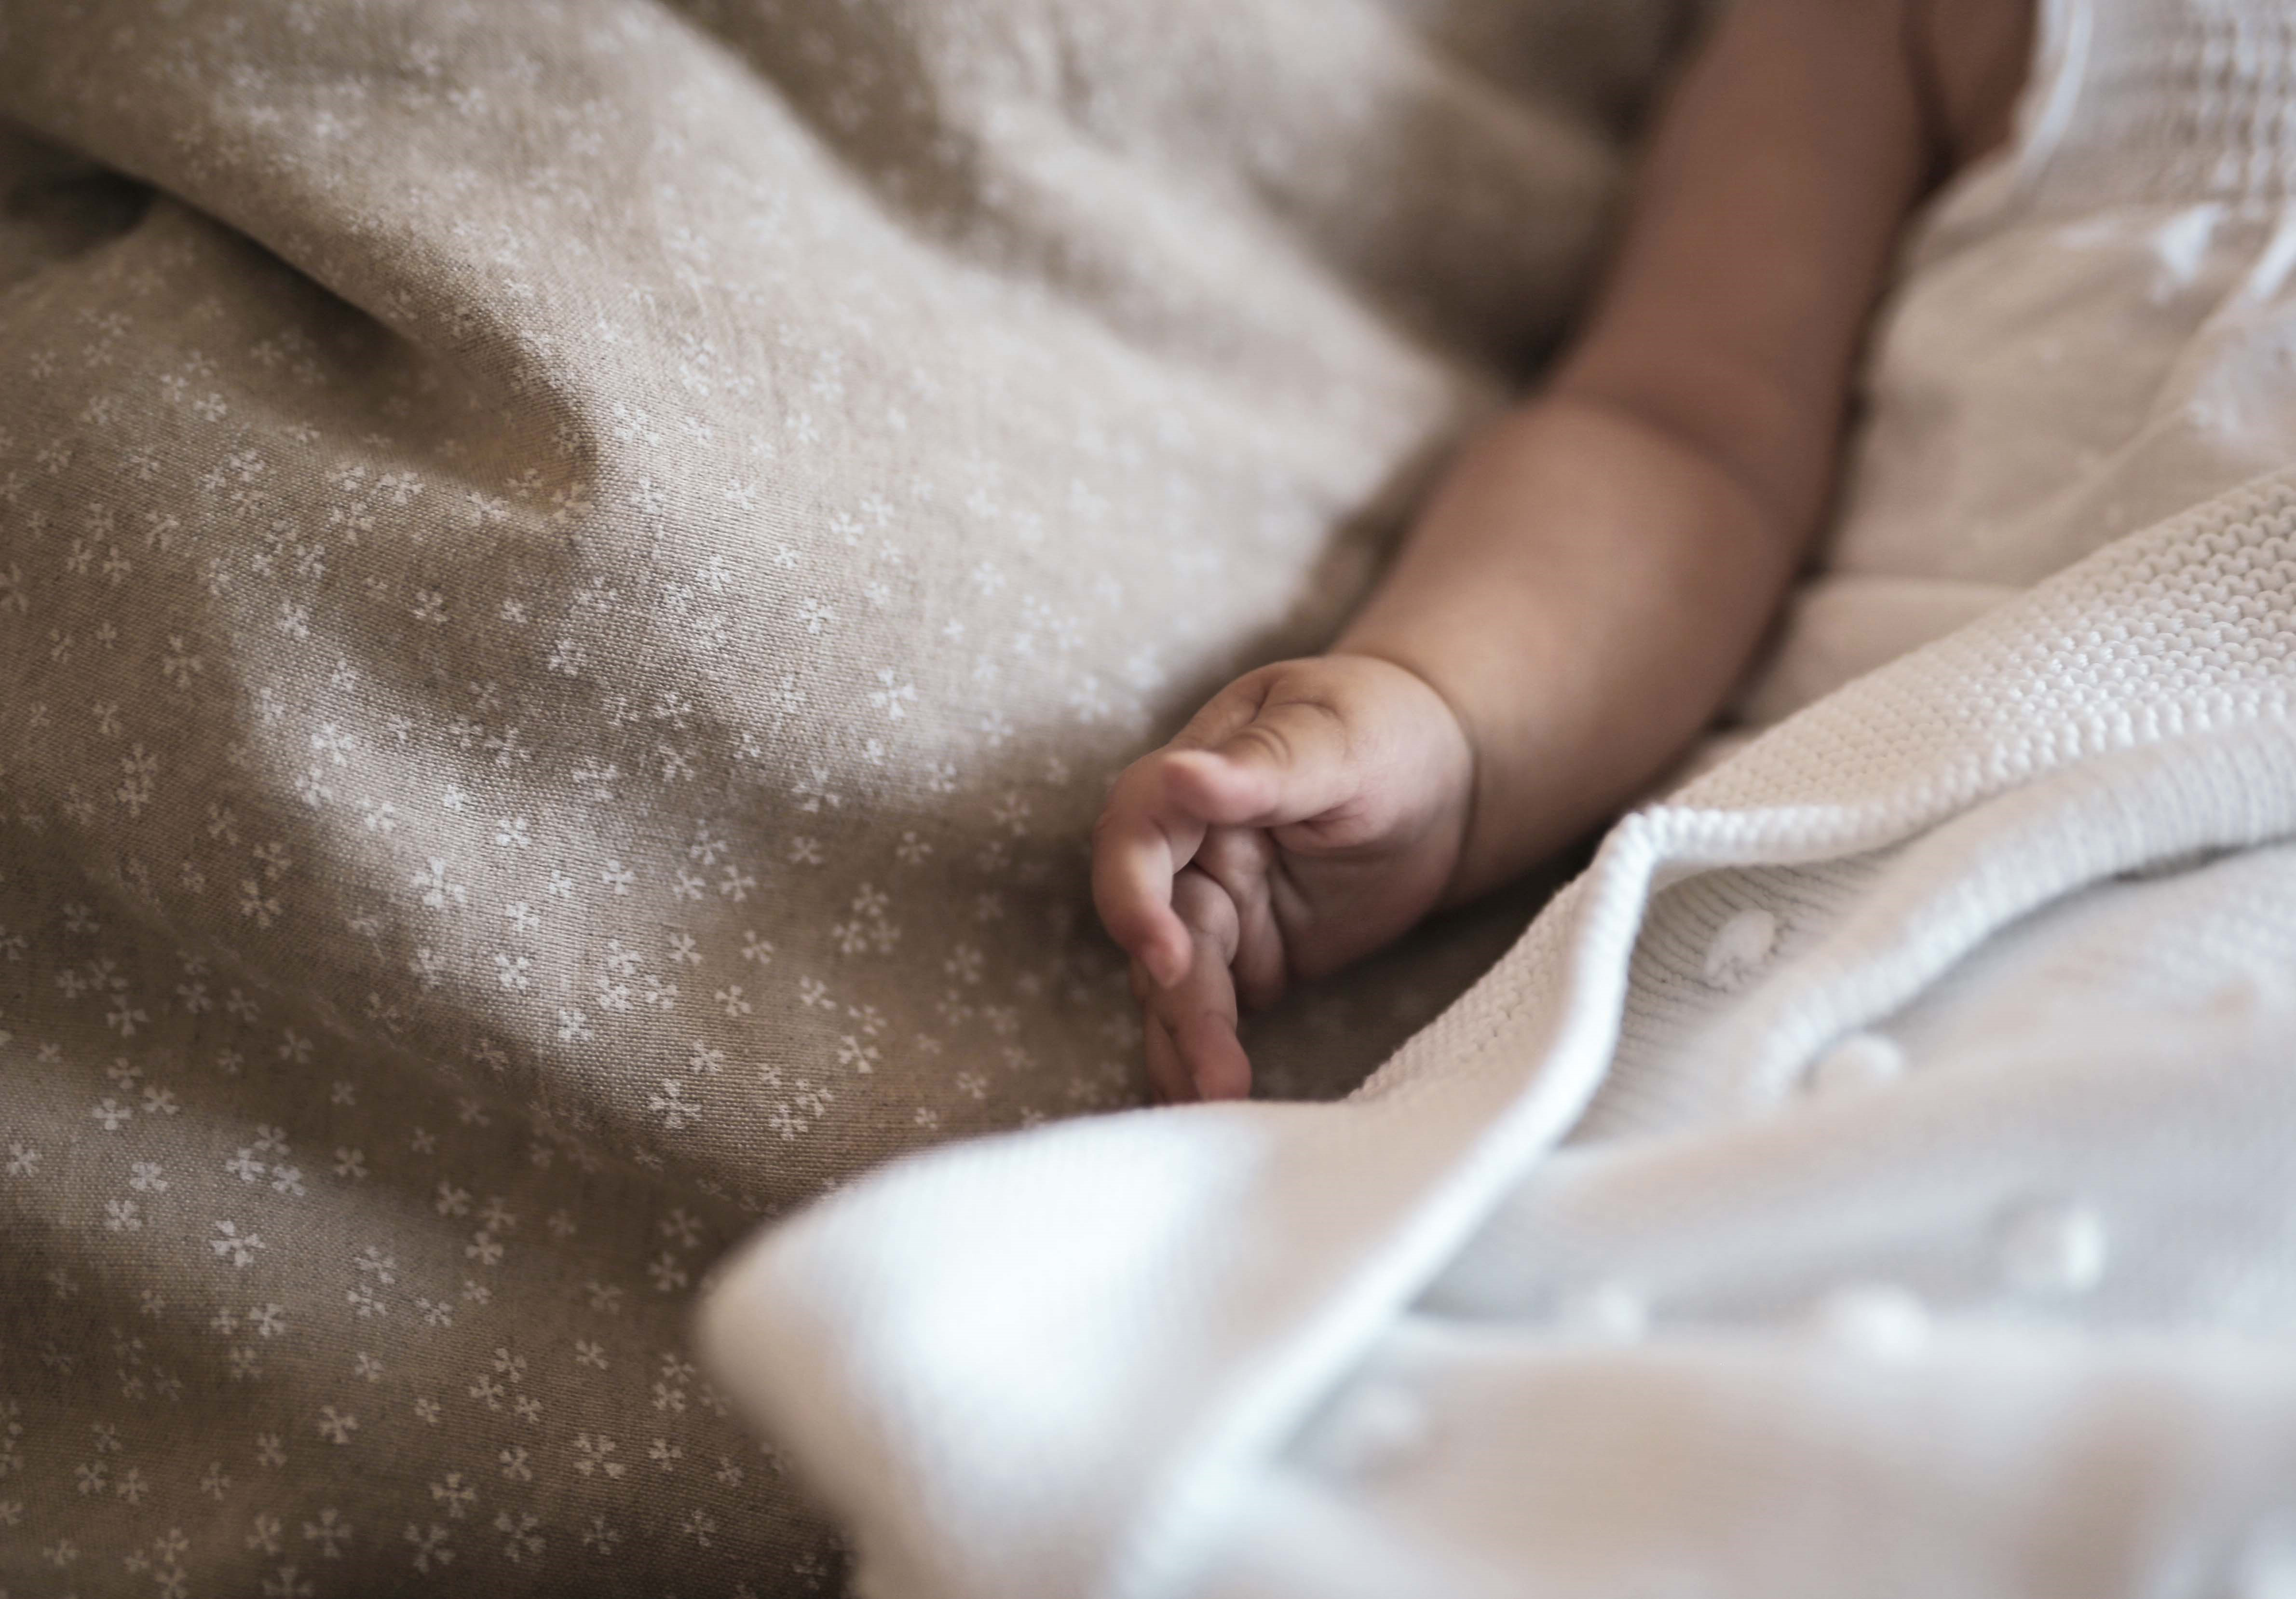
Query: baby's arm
1596	569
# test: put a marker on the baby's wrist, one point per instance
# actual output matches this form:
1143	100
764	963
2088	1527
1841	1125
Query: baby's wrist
1456	701
1413	664
1581	592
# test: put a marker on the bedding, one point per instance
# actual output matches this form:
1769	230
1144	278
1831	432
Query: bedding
570	577
1920	1227
1870	1177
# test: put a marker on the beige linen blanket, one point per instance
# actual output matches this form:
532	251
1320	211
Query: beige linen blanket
570	574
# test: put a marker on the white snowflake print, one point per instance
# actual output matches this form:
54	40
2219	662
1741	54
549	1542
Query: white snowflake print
238	1246
552	729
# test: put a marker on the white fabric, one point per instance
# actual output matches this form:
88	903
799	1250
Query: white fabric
2091	333
1868	1178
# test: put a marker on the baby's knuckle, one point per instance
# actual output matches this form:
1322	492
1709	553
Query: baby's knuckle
1269	739
1324	712
1192	894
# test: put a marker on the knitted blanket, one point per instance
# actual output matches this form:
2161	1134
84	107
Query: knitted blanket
1869	1177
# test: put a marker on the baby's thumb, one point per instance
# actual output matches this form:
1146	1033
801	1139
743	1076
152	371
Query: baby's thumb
1291	761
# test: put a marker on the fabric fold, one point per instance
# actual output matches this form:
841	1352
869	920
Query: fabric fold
1241	1259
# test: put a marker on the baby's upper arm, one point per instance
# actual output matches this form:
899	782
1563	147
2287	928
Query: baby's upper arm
1974	55
1781	170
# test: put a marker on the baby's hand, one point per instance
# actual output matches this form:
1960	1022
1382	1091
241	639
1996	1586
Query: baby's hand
1313	811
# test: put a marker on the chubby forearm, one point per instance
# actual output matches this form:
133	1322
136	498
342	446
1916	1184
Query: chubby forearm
1593	575
1583	591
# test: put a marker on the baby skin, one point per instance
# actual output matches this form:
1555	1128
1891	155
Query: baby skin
1596	569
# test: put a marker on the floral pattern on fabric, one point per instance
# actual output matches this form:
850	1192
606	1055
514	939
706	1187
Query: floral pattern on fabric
570	577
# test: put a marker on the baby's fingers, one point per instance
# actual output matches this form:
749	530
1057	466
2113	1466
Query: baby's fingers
1167	1075
1251	759
1291	761
1198	1014
1139	844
